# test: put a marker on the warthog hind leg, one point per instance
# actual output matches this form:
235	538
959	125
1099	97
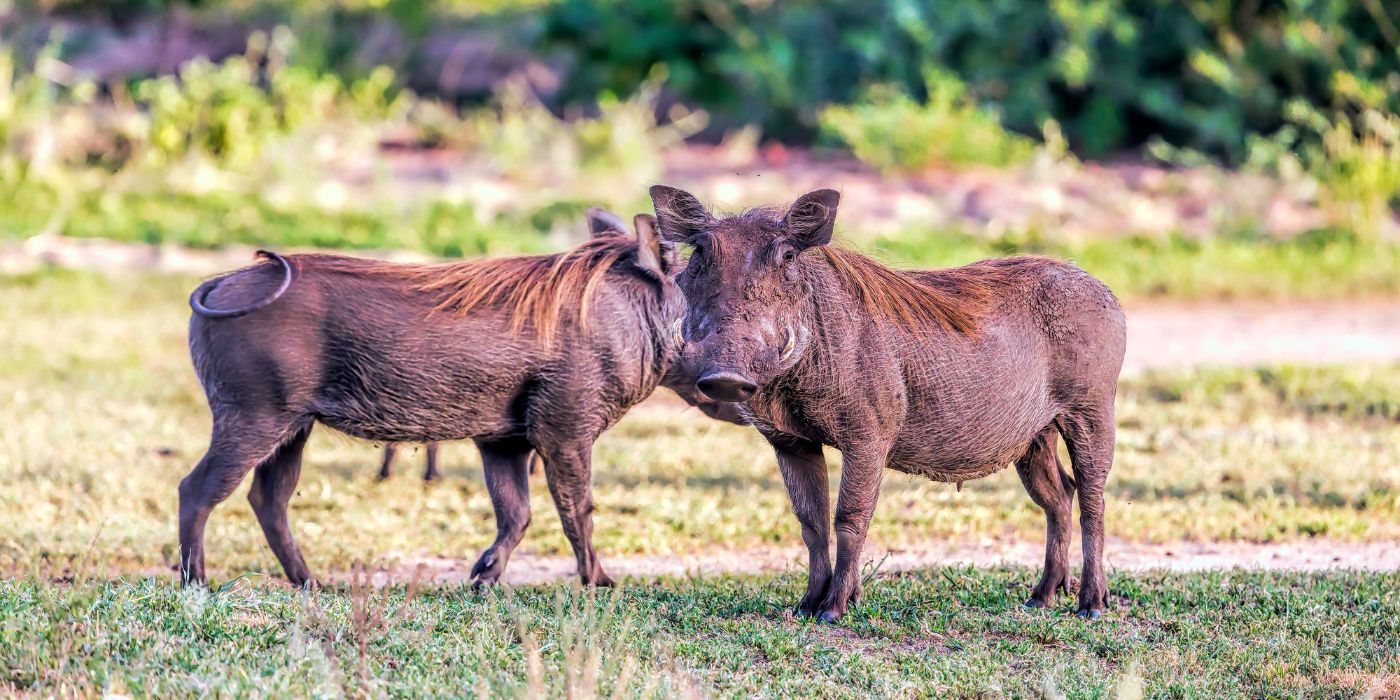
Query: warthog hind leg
1090	437
386	468
274	482
1053	490
508	482
430	469
239	443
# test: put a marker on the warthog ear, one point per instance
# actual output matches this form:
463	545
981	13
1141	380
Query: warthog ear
669	253
648	246
601	221
679	214
812	218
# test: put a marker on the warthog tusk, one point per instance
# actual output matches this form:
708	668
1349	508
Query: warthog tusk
791	343
680	337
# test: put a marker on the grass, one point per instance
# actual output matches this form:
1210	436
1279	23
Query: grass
935	633
103	417
1320	264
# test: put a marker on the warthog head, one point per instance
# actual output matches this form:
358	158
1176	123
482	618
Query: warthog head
747	319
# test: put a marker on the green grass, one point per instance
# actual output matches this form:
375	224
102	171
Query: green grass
103	416
1316	265
215	220
933	633
1320	264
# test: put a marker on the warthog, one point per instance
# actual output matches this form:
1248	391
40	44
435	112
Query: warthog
675	380
532	353
948	374
430	468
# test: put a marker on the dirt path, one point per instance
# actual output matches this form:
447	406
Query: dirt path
1306	555
1176	336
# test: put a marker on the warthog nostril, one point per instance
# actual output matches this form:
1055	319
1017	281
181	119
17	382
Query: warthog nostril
726	386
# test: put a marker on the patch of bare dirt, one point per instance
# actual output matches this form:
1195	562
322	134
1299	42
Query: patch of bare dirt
1178	336
1373	686
1305	555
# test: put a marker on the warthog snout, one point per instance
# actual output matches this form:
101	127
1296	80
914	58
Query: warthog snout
724	385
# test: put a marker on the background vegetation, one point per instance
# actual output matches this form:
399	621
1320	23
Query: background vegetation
291	141
1204	74
577	102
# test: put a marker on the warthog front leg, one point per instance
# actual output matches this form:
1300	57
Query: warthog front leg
1053	490
569	471
430	471
861	472
506	468
386	468
804	472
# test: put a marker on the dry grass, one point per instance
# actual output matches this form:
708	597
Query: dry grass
104	417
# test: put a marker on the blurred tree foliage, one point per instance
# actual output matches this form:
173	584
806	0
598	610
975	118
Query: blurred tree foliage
1115	74
1200	74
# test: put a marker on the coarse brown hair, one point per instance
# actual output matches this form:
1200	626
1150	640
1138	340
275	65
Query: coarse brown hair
955	299
537	291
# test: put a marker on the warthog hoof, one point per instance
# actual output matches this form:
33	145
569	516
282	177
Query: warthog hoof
487	570
828	617
599	579
1035	604
1088	614
304	583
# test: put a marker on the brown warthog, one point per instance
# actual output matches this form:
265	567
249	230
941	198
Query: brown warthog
430	468
538	353
681	384
949	374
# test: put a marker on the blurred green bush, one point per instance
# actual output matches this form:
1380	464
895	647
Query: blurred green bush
1298	88
1204	75
892	132
1199	74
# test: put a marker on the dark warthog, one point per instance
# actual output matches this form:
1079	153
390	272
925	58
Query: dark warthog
518	354
948	374
675	380
430	468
